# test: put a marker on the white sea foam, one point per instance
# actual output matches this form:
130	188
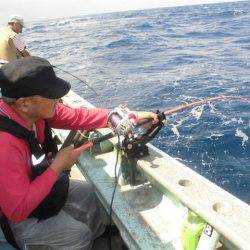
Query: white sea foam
197	112
175	130
175	127
240	121
216	134
241	134
233	120
211	105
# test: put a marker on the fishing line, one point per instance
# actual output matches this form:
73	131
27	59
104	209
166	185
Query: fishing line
113	194
84	136
83	81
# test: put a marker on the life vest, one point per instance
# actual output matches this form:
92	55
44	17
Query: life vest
8	50
40	160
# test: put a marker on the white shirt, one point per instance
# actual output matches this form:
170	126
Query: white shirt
19	44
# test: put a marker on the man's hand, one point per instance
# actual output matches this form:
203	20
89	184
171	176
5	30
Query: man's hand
25	53
64	159
147	115
151	116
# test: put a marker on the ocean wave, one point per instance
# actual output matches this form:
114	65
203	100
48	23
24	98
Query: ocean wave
36	28
144	26
205	34
120	43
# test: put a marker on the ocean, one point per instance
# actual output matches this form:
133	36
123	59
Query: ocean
159	59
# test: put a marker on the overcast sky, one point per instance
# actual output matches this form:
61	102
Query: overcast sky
33	10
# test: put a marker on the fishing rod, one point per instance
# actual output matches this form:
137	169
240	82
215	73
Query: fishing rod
123	122
193	104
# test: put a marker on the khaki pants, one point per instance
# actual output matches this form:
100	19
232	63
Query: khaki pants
75	227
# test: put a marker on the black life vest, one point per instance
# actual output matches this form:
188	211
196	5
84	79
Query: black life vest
40	159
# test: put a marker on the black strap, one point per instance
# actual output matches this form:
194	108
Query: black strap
55	200
14	128
49	144
5	226
19	132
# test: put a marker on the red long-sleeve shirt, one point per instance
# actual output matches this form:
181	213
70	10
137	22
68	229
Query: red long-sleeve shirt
19	196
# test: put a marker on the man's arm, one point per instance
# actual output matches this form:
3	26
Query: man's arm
25	53
79	118
19	44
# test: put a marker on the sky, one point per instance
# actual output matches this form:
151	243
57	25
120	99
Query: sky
34	10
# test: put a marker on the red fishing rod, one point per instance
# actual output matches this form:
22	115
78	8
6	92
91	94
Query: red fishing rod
94	141
193	104
121	123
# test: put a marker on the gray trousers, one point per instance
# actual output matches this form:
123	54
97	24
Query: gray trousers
75	227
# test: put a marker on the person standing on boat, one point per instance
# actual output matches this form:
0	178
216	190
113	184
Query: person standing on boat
11	45
38	203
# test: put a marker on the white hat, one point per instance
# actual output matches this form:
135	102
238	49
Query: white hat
16	19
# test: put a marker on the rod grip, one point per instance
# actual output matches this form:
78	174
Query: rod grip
102	138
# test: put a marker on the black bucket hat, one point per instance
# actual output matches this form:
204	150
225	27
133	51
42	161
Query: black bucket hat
31	76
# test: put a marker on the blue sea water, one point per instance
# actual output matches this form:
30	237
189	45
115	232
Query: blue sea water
160	59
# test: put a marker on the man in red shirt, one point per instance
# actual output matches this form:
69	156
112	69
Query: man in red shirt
30	93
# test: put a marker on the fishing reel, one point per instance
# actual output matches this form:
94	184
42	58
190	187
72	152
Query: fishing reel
135	146
122	121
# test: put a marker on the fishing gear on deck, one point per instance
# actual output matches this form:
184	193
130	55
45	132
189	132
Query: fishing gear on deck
123	122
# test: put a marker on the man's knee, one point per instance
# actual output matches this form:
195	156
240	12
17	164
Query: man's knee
87	186
85	191
86	235
80	237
